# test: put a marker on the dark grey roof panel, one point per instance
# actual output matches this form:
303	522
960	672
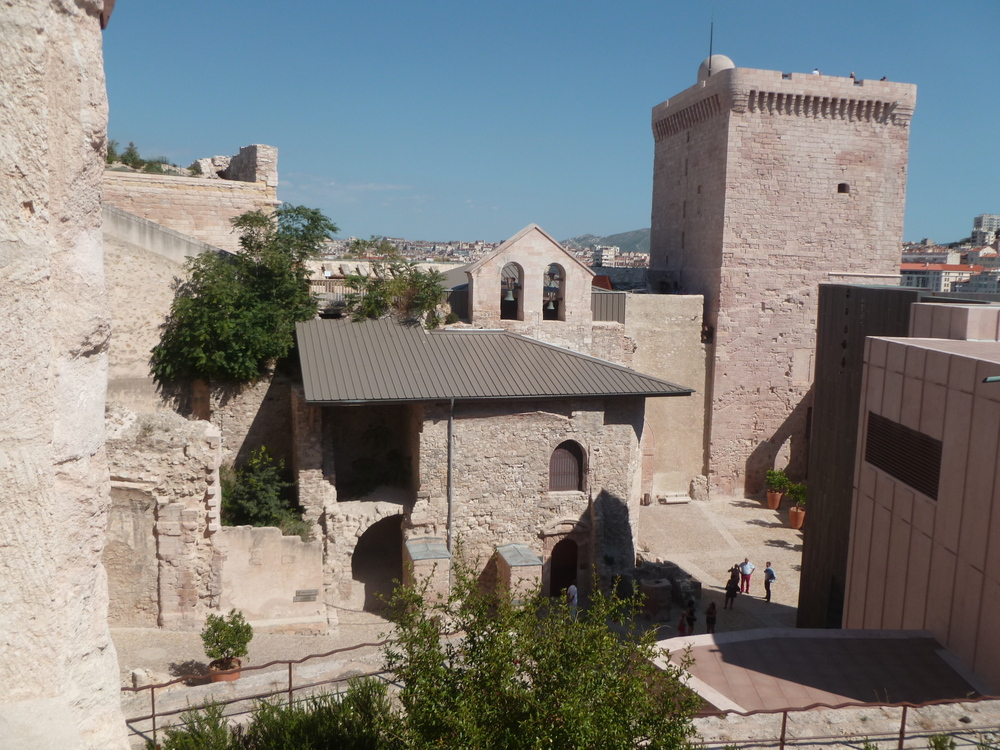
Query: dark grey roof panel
381	360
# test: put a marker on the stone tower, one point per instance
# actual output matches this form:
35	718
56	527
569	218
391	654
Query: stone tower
766	184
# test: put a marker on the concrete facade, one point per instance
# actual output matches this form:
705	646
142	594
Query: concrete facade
918	561
58	674
764	185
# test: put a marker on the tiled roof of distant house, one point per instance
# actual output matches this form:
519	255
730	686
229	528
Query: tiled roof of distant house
385	361
939	267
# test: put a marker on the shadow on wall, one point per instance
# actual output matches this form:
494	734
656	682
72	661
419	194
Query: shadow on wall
377	562
615	550
795	430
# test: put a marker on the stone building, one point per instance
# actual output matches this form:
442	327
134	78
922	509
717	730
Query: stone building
404	436
764	185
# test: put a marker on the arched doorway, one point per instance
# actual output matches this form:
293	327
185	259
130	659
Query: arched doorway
562	566
378	561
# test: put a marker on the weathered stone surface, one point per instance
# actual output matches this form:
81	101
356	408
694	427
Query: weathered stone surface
58	661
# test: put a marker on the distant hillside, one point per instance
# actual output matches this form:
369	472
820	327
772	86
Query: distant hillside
636	241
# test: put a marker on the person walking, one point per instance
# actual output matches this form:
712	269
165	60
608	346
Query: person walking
746	570
732	587
769	578
710	616
682	624
690	616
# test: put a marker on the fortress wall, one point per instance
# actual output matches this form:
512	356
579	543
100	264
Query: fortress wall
194	206
749	211
59	675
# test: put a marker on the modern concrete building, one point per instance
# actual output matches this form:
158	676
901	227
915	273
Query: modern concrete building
766	184
985	228
936	277
925	532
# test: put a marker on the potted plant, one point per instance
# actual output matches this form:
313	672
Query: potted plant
777	485
226	639
797	513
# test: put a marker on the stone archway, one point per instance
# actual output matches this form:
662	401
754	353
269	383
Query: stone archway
377	561
562	566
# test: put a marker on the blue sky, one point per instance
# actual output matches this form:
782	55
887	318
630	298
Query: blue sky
469	120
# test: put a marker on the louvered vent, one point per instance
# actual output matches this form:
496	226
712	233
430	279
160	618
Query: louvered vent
907	455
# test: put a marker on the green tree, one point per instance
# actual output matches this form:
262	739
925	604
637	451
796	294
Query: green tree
393	285
130	157
235	314
481	671
112	156
258	495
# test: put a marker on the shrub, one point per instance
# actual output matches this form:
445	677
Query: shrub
130	157
153	167
203	729
112	156
195	168
226	638
258	495
777	480
941	742
797	494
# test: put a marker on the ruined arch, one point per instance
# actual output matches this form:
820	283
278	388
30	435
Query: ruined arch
377	561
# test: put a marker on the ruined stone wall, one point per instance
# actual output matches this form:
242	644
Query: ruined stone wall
252	415
130	558
765	186
59	674
175	462
198	207
666	329
501	470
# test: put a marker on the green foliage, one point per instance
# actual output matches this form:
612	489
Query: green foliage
393	285
153	167
130	157
226	637
988	741
869	745
112	156
941	742
257	495
360	719
777	481
481	671
203	729
195	167
797	494
235	314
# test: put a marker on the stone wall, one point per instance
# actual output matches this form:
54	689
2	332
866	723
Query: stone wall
533	251
252	415
194	206
501	470
175	462
763	187
275	580
59	674
130	558
666	329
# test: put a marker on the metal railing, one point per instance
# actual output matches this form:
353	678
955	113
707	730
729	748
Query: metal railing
290	689
899	736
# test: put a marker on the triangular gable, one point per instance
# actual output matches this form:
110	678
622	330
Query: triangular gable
524	232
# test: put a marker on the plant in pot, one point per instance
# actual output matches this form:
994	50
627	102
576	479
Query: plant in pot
777	485
797	513
226	639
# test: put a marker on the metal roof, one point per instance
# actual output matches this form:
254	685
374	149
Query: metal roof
385	361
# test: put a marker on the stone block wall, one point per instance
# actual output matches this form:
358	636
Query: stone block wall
175	462
252	415
194	206
275	580
666	330
764	186
130	557
59	672
501	470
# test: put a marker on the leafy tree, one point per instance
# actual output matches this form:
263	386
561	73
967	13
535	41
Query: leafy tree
235	314
130	157
393	285
112	156
481	671
257	495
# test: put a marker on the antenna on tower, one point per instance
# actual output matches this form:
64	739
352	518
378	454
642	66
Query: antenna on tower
711	35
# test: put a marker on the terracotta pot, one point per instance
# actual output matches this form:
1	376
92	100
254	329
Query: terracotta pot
774	499
224	670
796	516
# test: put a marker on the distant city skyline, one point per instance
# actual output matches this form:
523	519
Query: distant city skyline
451	121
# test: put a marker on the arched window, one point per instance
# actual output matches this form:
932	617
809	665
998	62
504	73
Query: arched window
553	297
511	292
566	467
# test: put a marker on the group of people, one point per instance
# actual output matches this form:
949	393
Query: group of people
739	583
